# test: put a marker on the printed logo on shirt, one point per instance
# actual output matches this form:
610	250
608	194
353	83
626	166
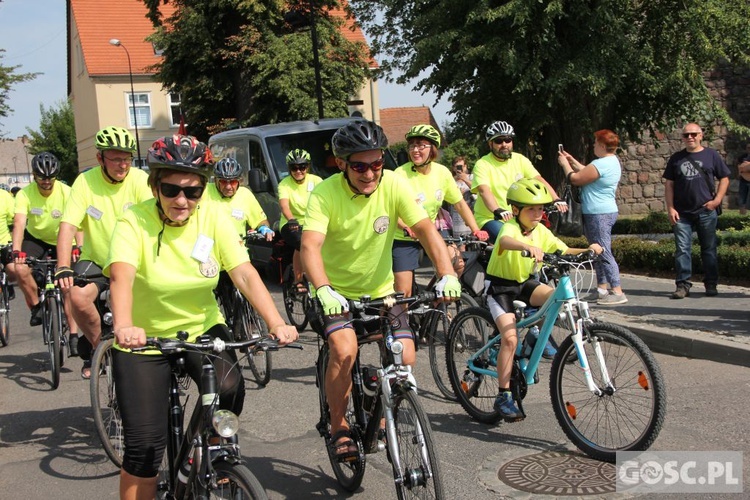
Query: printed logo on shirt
56	214
688	170
420	198
210	268
381	224
439	195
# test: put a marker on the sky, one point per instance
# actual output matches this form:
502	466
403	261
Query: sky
33	36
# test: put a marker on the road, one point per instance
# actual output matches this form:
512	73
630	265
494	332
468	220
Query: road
49	446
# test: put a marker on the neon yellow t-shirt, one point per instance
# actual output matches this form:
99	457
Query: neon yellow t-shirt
297	194
7	212
43	214
172	290
242	208
359	232
510	264
95	204
490	171
430	189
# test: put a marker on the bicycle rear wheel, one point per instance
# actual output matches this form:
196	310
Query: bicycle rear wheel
52	324
107	418
629	414
469	331
419	473
250	325
295	302
235	481
4	312
439	325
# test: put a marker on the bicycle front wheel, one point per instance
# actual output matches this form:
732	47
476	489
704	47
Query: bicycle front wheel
295	301
419	473
107	418
235	481
4	314
469	331
629	413
52	323
439	325
251	325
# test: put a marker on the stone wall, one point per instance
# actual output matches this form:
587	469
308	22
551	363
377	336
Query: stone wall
641	188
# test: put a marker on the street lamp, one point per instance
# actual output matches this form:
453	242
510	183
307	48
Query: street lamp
117	43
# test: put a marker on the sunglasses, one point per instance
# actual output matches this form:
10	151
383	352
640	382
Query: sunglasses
361	167
501	140
40	178
229	182
301	167
690	134
173	190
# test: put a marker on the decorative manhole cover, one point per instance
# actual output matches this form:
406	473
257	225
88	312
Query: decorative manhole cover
559	473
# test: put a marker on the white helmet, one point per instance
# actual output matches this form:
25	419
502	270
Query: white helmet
498	129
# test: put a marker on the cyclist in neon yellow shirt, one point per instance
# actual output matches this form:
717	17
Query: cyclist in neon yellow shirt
493	175
7	212
236	201
97	198
39	207
294	191
510	276
350	224
433	184
164	264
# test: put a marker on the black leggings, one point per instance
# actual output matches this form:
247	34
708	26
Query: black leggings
142	383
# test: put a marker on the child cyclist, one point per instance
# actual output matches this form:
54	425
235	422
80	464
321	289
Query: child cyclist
510	276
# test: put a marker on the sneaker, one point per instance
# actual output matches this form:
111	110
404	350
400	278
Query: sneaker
711	291
613	299
36	315
681	292
594	296
73	345
506	407
549	351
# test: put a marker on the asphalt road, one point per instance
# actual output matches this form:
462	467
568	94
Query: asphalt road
48	445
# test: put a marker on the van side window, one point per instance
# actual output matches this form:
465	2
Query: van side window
257	161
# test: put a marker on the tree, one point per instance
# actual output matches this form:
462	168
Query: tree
559	70
57	135
9	78
240	62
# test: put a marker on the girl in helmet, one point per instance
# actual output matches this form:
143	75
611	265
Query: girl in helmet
510	275
294	191
164	263
433	184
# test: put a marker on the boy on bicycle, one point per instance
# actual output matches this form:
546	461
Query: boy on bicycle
511	276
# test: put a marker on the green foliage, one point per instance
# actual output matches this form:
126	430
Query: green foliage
240	62
8	79
57	135
460	147
658	223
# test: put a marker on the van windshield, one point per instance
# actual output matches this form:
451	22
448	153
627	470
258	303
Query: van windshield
318	144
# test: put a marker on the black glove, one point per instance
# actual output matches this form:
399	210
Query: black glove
292	225
64	272
500	213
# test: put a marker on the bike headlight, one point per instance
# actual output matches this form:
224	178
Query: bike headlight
225	423
397	347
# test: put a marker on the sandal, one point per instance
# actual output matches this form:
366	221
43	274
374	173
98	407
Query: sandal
86	370
350	450
300	287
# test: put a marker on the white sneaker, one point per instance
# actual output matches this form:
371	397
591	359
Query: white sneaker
613	299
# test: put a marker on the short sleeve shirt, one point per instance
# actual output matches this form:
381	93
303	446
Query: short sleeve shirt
242	208
359	232
430	190
6	216
95	204
690	188
598	197
510	264
173	289
297	194
498	175
43	213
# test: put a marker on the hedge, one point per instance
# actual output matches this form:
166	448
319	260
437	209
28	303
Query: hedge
657	223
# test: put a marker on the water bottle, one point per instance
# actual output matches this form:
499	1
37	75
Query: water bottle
530	340
369	388
389	341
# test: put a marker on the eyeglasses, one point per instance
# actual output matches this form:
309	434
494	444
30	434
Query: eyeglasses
229	182
501	140
361	167
127	160
417	147
685	135
173	190
300	167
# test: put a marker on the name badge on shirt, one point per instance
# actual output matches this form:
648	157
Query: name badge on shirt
310	186
94	212
238	214
202	248
36	211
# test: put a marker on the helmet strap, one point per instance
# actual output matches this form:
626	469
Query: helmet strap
414	166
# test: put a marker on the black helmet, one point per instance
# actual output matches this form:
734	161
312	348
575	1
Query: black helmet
228	169
45	165
180	152
356	137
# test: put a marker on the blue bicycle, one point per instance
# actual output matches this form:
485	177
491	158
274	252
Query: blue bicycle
606	388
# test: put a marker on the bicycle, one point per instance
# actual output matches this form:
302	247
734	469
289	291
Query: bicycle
296	301
389	392
606	387
54	322
4	304
203	460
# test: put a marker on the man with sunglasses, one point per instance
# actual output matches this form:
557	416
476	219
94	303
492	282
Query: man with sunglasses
238	202
38	209
493	175
97	199
692	200
350	224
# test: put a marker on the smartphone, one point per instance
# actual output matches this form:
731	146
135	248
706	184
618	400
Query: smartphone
560	148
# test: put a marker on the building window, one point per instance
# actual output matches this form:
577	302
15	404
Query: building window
175	108
142	109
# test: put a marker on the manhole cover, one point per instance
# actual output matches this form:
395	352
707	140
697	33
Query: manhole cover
559	473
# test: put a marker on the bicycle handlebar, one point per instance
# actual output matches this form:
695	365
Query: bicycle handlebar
217	345
557	258
389	302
